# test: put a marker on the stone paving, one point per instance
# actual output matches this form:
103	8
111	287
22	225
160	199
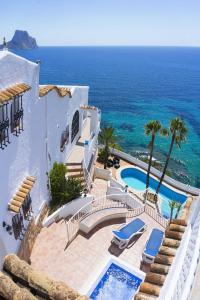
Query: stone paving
77	264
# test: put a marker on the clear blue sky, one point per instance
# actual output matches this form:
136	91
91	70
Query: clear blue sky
104	22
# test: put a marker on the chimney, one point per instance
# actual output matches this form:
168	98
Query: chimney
5	47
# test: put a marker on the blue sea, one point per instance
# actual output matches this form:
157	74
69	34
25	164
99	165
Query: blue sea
133	85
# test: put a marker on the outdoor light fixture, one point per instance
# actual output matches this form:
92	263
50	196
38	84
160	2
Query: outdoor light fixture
7	227
85	192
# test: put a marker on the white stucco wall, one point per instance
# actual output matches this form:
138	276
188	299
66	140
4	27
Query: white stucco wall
25	154
68	209
59	114
28	154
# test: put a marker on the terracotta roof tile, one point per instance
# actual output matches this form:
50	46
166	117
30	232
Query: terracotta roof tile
18	199
62	91
12	91
88	107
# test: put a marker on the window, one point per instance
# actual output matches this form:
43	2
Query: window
75	125
27	208
18	226
64	138
4	125
16	115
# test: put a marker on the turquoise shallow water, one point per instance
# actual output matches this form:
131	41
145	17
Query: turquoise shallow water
133	85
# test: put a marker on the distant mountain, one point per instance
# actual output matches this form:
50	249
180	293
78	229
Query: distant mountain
21	40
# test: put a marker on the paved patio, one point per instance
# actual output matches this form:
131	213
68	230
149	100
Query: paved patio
99	188
77	264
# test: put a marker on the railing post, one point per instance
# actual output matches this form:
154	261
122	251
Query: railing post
68	241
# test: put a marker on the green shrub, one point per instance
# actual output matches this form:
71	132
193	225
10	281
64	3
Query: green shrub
62	190
58	183
102	155
73	188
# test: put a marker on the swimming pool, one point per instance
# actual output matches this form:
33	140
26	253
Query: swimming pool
115	283
136	179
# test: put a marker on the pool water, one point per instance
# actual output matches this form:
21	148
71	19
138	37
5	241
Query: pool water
116	284
136	179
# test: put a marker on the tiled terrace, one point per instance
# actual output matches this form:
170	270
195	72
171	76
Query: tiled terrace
77	264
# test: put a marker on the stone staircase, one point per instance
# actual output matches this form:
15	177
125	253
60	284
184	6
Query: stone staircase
154	280
75	170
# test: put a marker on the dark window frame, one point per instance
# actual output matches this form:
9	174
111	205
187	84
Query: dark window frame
75	126
64	140
18	226
27	207
4	126
16	115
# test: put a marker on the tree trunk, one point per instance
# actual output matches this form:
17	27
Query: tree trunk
177	212
166	163
106	156
171	213
150	160
149	165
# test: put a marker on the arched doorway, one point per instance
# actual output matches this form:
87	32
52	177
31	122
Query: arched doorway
75	125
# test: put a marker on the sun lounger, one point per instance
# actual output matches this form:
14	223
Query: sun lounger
127	231
153	245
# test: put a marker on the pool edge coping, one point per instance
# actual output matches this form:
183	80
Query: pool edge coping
121	181
99	271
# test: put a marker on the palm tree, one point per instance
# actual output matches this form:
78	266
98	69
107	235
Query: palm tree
178	207
108	138
172	205
151	128
178	131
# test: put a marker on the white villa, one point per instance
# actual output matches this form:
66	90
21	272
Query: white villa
40	125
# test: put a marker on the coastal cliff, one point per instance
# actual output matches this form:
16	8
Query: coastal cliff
21	40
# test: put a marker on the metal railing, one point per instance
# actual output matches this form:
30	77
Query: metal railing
72	224
156	216
177	184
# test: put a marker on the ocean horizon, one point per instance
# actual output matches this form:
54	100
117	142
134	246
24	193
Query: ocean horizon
132	85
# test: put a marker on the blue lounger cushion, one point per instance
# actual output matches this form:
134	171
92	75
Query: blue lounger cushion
154	242
129	230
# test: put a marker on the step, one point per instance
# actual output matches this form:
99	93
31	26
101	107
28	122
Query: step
73	164
143	296
160	269
179	222
176	227
164	259
171	243
173	234
167	251
155	278
74	170
79	175
149	288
